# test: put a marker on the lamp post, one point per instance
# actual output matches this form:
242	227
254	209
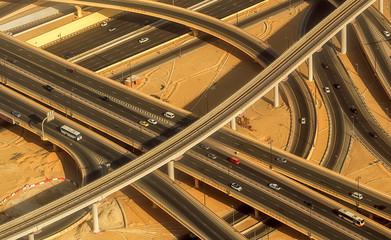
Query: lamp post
233	215
271	154
358	191
356	68
353	126
387	119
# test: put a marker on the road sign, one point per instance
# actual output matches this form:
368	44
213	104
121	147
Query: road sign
50	115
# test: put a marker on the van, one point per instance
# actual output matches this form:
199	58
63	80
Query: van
169	115
234	160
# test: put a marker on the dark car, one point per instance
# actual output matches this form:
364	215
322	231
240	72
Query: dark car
380	207
373	134
49	88
337	86
324	65
68	55
104	98
309	204
354	110
70	70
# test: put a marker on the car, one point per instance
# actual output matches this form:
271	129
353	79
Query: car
337	85
354	110
309	204
112	29
324	65
70	70
144	123
234	160
11	60
386	33
10	33
373	134
169	115
274	186
283	160
327	89
48	87
16	114
103	24
104	98
302	120
212	156
152	121
356	195
143	40
380	207
206	147
236	186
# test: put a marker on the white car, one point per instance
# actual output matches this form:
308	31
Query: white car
16	114
327	89
236	187
206	147
169	115
152	121
103	24
274	186
212	156
386	33
112	29
302	120
283	160
356	195
143	40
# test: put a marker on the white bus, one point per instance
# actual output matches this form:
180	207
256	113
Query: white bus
351	217
70	132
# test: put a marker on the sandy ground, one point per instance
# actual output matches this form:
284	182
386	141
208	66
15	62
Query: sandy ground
218	72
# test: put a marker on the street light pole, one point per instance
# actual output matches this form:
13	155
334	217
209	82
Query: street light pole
358	191
233	215
353	126
271	154
387	119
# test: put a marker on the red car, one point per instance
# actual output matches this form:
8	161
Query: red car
234	160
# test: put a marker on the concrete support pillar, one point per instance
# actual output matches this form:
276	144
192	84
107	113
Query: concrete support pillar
256	213
344	40
310	69
95	217
31	236
170	167
55	148
381	6
195	32
79	12
233	123
196	183
276	97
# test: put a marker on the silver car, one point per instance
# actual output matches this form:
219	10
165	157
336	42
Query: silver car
16	114
283	160
356	195
152	121
143	40
236	187
212	156
274	186
169	115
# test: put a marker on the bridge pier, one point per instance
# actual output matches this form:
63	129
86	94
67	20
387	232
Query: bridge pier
310	69
256	213
79	13
55	148
196	183
95	217
170	166
276	99
233	123
344	40
31	236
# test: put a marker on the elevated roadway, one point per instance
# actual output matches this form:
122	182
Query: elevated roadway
196	132
288	205
93	153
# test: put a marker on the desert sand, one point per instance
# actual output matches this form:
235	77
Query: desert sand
129	215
